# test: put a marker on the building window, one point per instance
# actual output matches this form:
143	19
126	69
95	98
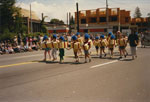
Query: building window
83	21
93	20
127	19
145	24
114	19
102	19
138	24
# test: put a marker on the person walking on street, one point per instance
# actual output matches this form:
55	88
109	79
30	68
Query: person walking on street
133	42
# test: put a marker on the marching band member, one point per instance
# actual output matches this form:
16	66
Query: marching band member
103	43
45	46
121	43
86	46
62	45
96	44
111	45
76	46
55	47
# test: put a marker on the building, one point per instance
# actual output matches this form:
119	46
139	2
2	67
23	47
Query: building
95	21
59	29
27	21
143	24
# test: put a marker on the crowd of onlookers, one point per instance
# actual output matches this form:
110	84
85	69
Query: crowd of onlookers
18	45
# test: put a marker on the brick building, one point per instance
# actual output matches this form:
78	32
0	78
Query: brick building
95	21
143	24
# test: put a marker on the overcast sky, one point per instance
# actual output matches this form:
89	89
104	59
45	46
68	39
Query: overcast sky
59	8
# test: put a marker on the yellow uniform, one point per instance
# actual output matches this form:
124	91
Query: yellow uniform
96	43
76	46
80	40
63	45
103	43
111	43
121	42
55	44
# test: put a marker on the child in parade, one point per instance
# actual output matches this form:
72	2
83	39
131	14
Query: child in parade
79	40
109	36
96	44
61	47
86	47
76	46
111	45
47	49
103	43
126	39
121	43
55	47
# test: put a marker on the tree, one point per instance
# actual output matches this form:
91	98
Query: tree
11	20
56	21
43	27
6	15
137	13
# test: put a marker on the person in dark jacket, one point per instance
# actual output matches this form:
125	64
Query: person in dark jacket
133	40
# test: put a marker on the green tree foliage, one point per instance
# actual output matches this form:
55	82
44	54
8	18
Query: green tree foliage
11	21
43	27
6	15
56	21
137	13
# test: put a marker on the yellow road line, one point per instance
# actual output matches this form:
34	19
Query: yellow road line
4	66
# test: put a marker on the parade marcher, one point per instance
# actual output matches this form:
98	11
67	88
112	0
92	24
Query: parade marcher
61	46
103	43
47	49
111	45
122	44
109	36
76	46
126	39
79	40
133	42
55	47
96	44
86	47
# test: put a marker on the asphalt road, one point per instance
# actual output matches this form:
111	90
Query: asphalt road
25	78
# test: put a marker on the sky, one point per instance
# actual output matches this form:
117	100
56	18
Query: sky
59	8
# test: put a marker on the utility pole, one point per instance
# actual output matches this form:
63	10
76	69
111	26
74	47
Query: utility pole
69	23
31	18
119	22
107	16
67	19
77	17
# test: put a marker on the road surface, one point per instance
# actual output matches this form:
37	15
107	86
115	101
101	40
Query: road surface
25	78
